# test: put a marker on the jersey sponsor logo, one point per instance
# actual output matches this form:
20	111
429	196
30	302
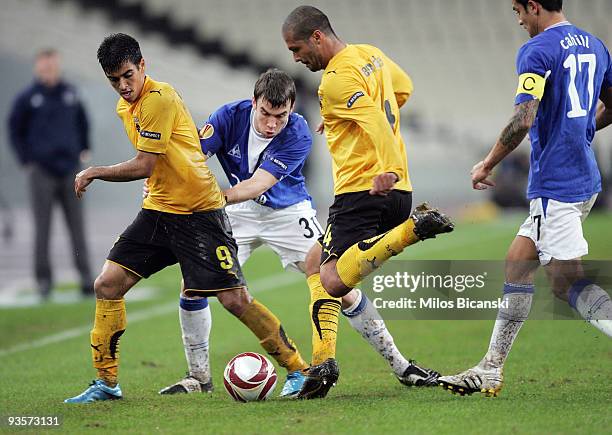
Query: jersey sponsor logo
207	131
531	84
357	95
150	134
279	163
235	152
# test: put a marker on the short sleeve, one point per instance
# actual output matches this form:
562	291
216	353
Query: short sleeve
212	134
156	122
532	68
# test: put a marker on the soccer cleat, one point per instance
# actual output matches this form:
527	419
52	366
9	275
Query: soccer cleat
474	380
320	379
415	376
293	384
97	391
429	221
187	385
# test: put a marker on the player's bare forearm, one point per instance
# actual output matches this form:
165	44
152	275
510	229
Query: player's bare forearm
252	188
133	169
603	117
137	168
243	191
514	133
511	137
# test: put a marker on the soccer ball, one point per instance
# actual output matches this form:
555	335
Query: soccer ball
249	377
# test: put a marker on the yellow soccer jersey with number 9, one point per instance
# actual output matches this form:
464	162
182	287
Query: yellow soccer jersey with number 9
360	94
158	122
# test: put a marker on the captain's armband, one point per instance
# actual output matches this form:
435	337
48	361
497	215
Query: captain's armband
531	84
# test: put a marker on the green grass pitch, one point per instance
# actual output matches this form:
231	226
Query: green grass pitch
558	376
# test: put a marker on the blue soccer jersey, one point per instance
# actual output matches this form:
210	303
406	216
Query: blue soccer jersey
566	68
227	134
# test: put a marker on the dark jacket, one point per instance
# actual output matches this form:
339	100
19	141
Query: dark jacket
49	127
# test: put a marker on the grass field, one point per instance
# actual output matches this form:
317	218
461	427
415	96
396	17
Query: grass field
558	377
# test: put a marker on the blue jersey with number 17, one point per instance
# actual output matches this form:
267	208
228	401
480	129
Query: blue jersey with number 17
570	67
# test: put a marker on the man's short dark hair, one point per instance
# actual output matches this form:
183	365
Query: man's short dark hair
304	20
549	5
275	86
117	49
46	52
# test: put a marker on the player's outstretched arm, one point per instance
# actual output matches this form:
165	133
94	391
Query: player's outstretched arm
603	118
252	188
137	168
511	137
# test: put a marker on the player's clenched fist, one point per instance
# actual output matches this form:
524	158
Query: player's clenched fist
480	175
82	180
383	184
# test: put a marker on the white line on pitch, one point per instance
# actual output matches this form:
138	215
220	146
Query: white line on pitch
256	286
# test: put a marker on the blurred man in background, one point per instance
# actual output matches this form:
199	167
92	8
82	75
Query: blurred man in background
49	132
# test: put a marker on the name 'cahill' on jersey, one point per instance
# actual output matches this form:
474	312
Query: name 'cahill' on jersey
565	68
158	122
361	92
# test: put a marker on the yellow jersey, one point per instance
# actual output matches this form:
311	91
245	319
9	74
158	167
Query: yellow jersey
360	94
158	122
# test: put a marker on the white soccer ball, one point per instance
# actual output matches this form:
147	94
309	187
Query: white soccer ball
249	377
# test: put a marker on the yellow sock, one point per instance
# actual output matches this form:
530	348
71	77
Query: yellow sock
324	312
363	257
272	338
109	325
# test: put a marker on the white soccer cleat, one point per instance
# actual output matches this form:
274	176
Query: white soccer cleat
474	380
188	385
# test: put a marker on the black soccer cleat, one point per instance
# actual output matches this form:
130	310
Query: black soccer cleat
187	385
319	380
416	376
428	222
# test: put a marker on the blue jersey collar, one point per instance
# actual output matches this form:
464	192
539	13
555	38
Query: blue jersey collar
562	23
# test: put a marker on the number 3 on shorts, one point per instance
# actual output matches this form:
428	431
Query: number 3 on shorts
225	257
